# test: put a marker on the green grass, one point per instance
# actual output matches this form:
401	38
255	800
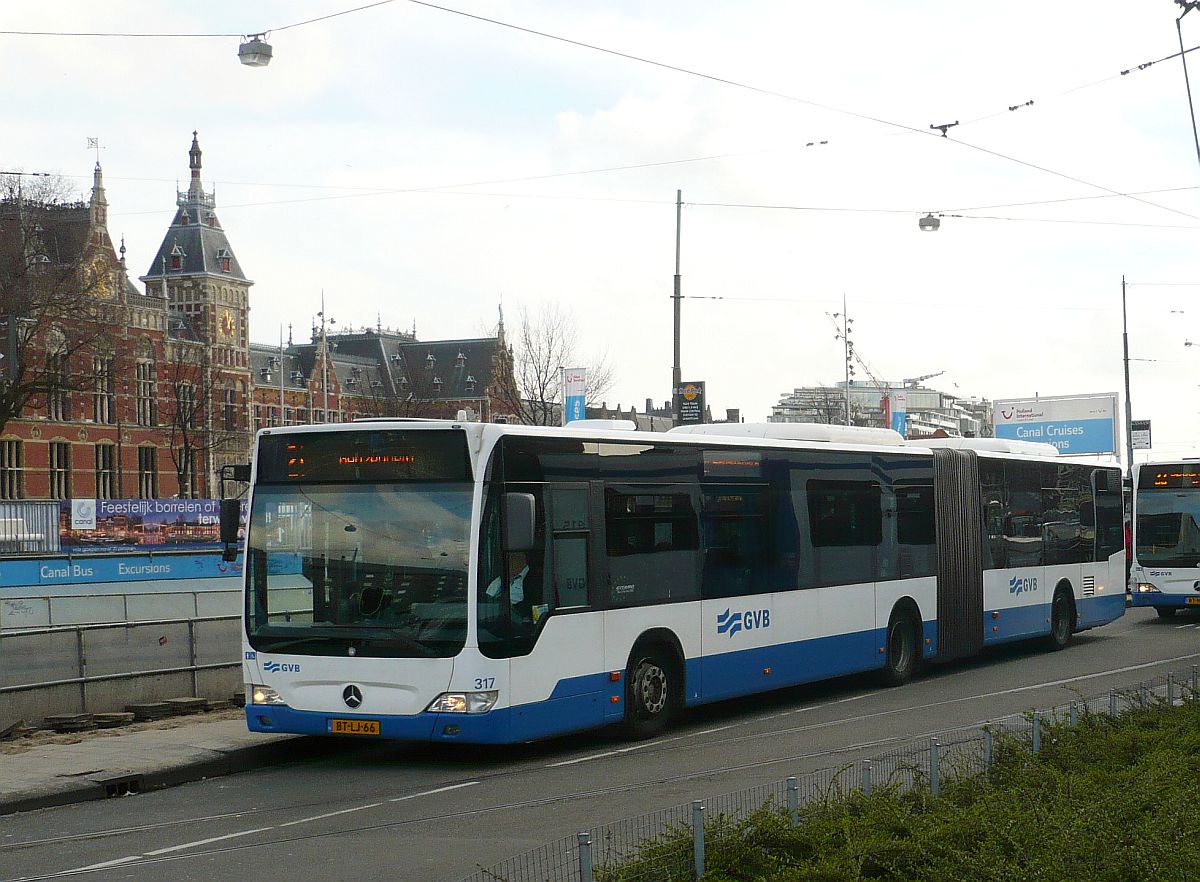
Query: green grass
1110	801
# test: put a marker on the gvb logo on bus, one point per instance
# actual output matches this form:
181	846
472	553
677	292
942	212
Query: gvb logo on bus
275	667
730	623
1019	584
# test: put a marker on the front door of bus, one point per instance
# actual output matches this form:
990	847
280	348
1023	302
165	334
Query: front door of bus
561	685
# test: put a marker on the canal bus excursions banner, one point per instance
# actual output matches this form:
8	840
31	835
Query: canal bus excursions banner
1075	424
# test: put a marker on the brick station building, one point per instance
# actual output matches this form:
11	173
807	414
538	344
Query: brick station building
173	389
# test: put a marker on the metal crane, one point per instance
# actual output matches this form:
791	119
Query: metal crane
912	382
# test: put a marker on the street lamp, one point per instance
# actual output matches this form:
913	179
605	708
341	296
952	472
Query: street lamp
255	51
929	223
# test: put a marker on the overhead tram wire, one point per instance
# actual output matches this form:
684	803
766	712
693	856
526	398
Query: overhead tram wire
1145	65
678	69
431	191
775	94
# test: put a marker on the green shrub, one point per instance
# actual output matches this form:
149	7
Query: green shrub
1113	800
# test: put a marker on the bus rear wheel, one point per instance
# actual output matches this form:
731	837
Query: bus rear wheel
901	653
1165	612
651	692
1061	621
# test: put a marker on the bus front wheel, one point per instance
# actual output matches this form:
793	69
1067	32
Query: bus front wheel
650	693
1165	612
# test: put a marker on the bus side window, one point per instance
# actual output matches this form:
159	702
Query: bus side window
570	531
845	522
739	557
651	541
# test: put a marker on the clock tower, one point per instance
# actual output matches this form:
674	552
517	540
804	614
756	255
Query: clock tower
208	297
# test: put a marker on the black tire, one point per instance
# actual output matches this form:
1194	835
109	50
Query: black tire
903	650
1165	612
1062	621
652	689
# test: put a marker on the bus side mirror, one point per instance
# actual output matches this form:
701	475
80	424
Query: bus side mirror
231	515
519	510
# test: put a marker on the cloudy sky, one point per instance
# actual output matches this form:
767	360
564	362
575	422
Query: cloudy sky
422	166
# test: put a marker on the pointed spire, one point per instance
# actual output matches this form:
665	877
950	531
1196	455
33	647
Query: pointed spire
195	190
99	203
123	252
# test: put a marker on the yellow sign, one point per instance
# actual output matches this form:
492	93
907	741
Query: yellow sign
354	727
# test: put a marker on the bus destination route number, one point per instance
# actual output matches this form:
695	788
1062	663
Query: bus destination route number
354	727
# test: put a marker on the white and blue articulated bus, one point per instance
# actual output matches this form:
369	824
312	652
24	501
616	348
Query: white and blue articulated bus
1166	536
489	583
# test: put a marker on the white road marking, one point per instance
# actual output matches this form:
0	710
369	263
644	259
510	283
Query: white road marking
435	790
357	808
205	841
710	731
90	867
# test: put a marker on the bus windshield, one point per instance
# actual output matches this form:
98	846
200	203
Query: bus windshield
1167	528
359	569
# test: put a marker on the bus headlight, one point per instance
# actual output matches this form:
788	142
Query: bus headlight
263	695
1145	588
464	702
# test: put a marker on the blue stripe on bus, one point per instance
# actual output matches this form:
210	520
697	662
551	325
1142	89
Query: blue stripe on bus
732	674
586	702
1163	599
1015	623
1100	610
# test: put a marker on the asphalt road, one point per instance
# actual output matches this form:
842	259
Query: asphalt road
437	813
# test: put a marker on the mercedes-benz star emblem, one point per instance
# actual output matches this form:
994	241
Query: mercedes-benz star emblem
352	695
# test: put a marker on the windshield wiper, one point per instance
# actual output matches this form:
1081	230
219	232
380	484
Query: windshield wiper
394	634
284	644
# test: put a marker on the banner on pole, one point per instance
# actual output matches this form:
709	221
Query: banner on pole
574	394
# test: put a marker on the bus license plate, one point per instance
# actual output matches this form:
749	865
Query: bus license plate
354	727
1194	601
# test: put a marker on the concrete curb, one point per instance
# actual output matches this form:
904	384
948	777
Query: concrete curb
109	783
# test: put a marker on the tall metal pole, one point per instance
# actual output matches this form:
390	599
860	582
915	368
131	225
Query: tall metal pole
1128	403
846	352
324	365
282	421
676	377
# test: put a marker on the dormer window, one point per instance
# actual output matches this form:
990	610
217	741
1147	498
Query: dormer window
404	382
177	256
437	384
226	259
430	361
470	381
184	220
461	360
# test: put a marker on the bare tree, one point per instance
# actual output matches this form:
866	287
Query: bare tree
829	407
60	296
201	423
546	343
